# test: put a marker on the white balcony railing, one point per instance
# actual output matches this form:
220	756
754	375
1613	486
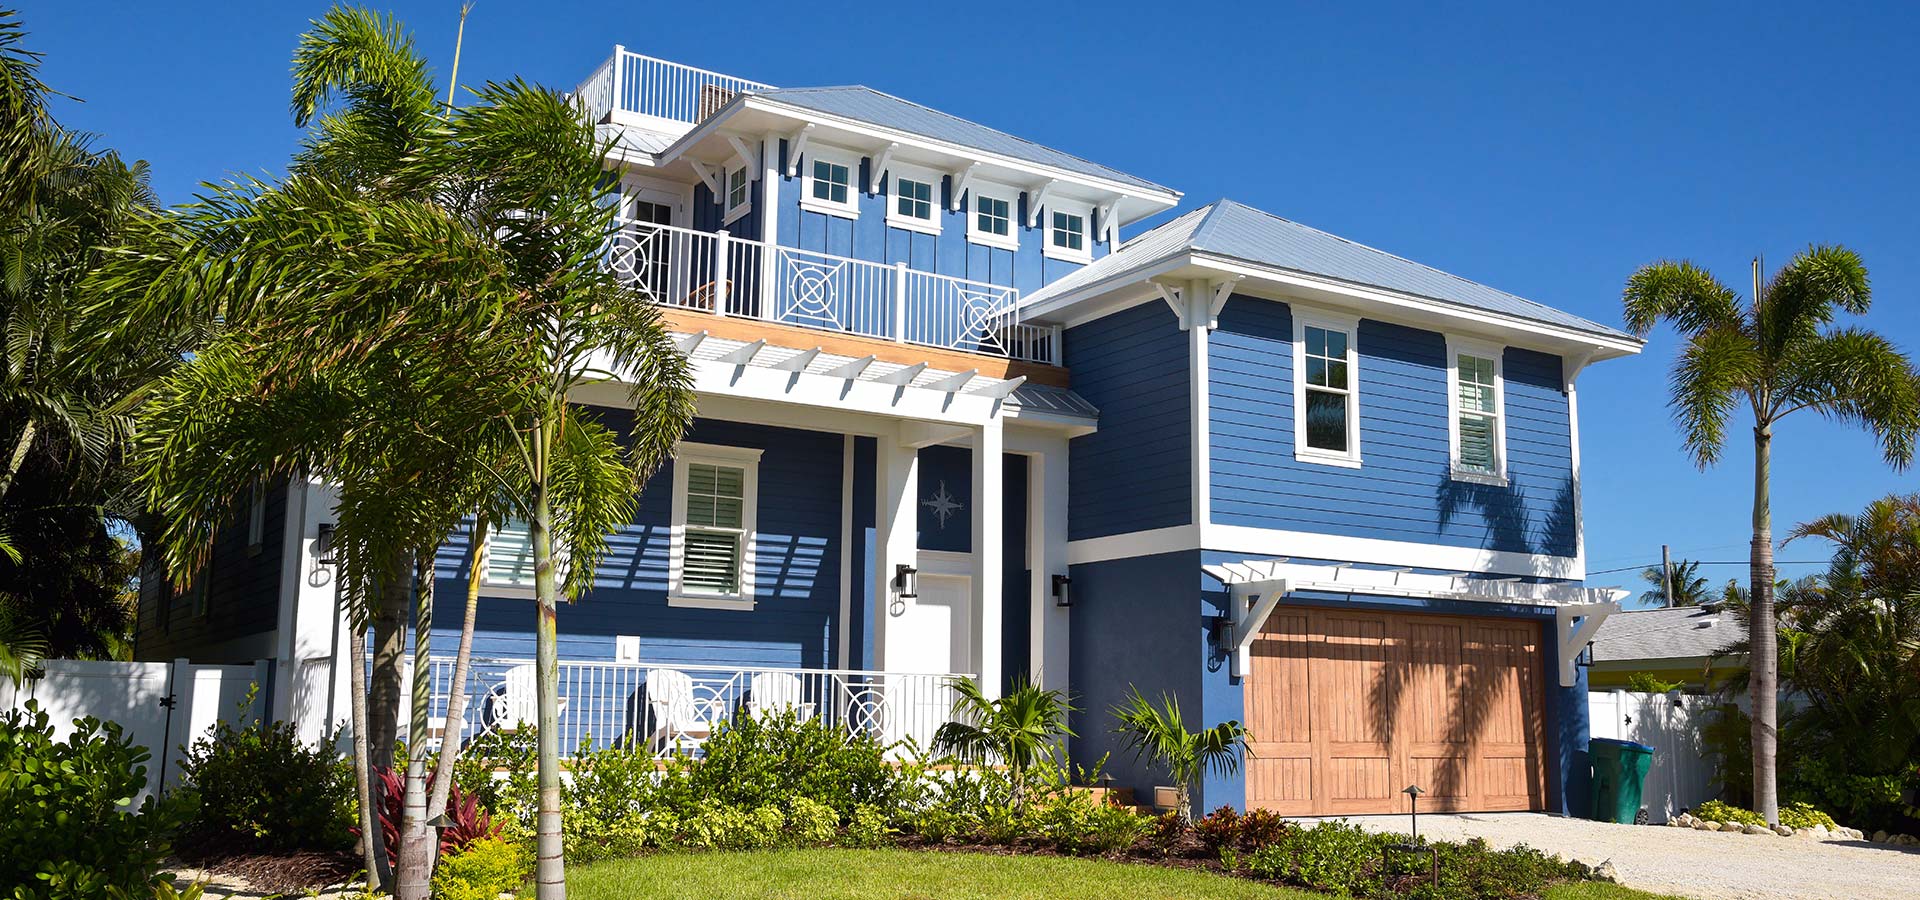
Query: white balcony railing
632	83
674	708
717	273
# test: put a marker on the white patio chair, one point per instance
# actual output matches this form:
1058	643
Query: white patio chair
514	701
772	693
678	722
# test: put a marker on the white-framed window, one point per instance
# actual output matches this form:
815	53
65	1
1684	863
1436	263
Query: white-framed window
828	182
739	193
1326	389
1476	412
509	567
715	510
1067	227
913	198
990	213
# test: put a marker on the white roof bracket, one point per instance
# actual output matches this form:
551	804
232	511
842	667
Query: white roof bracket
1035	197
797	362
852	368
1574	636
1172	296
962	179
796	145
902	376
1000	390
744	355
1107	224
707	177
880	162
1221	292
747	156
692	342
1249	619
952	383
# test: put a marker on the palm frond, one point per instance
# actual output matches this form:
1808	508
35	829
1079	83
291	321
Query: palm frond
1681	293
1856	376
1717	367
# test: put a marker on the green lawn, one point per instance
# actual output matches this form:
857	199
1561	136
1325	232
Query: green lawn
899	874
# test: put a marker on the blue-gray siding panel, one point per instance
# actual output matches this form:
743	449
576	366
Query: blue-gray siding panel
1135	473
1403	491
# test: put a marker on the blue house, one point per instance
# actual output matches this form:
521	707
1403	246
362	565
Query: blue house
953	423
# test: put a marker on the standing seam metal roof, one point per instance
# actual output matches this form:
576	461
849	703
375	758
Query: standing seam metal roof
867	105
1241	232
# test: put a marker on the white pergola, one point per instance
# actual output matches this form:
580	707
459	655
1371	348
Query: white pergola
1258	586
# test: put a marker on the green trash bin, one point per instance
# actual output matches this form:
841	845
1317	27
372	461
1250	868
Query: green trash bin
1619	772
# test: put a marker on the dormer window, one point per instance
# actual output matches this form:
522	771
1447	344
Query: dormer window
991	222
914	199
1067	232
739	198
829	183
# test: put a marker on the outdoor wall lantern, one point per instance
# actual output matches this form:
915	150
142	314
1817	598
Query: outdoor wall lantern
323	544
904	581
1062	591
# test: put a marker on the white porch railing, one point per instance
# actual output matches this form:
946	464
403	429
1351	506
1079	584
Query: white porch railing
717	273
669	708
630	82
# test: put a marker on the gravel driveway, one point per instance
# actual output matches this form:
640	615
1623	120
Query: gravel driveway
1705	864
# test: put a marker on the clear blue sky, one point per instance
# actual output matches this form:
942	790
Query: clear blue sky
1533	148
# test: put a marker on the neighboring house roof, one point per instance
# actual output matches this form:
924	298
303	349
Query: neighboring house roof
873	107
1240	232
1684	632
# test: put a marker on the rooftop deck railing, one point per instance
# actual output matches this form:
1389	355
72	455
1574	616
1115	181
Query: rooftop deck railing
633	83
716	273
673	709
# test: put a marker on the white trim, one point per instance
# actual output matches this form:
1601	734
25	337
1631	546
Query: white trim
1010	196
1070	208
747	458
850	160
1457	347
944	563
1199	403
1311	545
897	170
844	660
1570	369
746	188
1303	318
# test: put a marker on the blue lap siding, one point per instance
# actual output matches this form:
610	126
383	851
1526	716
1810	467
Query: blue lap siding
1135	473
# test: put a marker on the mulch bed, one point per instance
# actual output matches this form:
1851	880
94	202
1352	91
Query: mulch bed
285	871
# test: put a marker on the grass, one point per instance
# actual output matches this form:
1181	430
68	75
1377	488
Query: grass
904	874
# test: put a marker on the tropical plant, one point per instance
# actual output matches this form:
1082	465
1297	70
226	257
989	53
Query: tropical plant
1160	734
1020	728
1689	587
1649	683
259	787
1776	354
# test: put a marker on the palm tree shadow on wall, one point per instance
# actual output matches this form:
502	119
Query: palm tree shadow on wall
1510	525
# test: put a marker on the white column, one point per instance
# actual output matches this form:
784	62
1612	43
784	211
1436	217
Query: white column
1047	645
1199	301
989	549
313	650
897	483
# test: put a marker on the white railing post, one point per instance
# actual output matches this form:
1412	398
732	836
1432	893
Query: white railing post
619	77
1056	352
900	302
720	267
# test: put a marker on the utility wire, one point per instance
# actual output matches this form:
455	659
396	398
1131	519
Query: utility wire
1720	562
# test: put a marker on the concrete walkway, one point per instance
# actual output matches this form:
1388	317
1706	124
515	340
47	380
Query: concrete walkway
1705	864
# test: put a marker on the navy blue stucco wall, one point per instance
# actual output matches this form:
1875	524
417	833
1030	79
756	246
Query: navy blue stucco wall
1404	490
796	572
1135	473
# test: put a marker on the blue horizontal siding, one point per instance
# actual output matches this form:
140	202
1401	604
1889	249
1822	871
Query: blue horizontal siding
1135	473
1404	491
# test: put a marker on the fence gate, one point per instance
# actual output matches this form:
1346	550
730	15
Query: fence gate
1682	776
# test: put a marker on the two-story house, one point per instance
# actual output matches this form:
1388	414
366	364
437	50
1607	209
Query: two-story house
950	423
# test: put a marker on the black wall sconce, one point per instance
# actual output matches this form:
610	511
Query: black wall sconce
1222	628
1062	591
904	581
323	544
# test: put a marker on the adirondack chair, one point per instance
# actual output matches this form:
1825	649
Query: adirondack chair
678	720
514	702
772	693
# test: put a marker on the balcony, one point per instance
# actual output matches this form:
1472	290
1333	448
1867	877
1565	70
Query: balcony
715	273
673	709
629	83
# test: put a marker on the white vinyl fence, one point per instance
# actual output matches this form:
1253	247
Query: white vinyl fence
160	705
1682	776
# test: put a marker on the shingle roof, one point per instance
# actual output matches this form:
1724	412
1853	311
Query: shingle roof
867	105
1240	232
1678	633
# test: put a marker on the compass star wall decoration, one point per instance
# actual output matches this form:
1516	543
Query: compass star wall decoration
943	504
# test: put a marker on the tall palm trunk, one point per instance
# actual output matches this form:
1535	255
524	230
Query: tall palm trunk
550	873
373	853
457	685
1763	666
389	649
416	838
18	457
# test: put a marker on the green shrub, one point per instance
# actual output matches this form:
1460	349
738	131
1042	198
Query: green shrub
811	823
1801	814
756	761
605	806
501	768
481	871
1649	683
1076	825
867	828
1716	811
1344	859
1331	856
260	788
66	816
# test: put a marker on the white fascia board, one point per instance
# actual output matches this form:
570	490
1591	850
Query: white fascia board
1063	307
1309	545
1165	198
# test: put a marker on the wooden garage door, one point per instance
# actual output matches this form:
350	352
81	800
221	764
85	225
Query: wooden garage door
1344	709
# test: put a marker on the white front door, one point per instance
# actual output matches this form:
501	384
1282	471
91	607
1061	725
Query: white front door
934	632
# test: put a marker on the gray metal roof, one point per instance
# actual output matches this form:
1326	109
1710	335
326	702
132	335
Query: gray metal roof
867	105
1680	633
1240	232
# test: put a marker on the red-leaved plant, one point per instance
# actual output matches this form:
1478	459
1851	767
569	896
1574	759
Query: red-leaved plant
466	821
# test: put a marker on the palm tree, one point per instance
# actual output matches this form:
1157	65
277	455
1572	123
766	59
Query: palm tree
1160	734
1689	587
1777	354
1020	729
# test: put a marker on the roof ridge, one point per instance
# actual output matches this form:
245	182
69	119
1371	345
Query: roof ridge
1207	222
1157	229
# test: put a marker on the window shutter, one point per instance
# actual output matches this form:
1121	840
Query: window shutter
712	562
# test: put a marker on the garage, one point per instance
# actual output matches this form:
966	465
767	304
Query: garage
1344	708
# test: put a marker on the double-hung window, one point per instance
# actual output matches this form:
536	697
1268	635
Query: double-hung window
829	186
509	559
915	199
715	500
739	196
990	219
1067	232
1476	426
1326	390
